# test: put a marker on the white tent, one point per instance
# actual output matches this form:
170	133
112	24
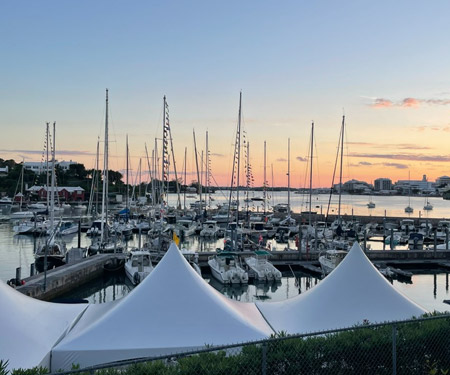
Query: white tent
30	328
172	310
354	292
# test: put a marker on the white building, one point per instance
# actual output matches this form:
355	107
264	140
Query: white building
39	167
423	186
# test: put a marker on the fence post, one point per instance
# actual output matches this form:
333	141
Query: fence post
394	349
264	359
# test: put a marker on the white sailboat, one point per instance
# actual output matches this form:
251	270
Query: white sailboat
104	243
331	258
53	252
428	206
409	209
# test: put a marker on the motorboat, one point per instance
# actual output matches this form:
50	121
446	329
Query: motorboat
187	227
21	215
209	229
226	269
330	259
67	227
261	267
6	201
138	266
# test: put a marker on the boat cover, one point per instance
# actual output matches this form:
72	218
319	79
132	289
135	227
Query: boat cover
353	293
30	327
172	310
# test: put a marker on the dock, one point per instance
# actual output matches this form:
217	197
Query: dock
63	279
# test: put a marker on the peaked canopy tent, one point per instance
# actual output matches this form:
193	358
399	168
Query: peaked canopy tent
30	328
354	292
172	310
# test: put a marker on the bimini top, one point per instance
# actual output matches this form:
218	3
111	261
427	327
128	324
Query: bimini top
30	328
172	310
353	293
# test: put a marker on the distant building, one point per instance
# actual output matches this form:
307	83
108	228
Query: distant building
383	184
415	186
4	171
355	186
65	193
442	181
39	167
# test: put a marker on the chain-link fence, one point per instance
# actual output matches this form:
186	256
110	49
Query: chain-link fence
418	346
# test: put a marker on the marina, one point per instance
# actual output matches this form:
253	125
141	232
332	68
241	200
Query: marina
301	270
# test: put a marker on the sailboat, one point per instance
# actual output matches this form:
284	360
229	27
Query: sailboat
428	206
409	209
330	259
105	243
53	252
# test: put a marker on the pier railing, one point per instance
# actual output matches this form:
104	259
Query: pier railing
417	346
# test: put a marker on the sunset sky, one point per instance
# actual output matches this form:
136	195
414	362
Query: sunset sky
385	64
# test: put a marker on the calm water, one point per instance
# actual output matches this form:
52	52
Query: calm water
427	289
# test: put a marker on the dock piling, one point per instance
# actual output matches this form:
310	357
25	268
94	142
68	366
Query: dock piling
18	275
32	269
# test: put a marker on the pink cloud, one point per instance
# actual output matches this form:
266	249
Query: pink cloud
382	103
407	102
410	102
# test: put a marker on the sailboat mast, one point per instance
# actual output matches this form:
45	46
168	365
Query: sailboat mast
340	168
311	173
185	182
248	180
127	187
289	176
265	179
52	189
105	178
238	156
46	167
208	202
164	151
198	171
97	179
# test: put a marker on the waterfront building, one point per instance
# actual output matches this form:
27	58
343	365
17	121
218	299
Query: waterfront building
415	186
383	184
65	193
